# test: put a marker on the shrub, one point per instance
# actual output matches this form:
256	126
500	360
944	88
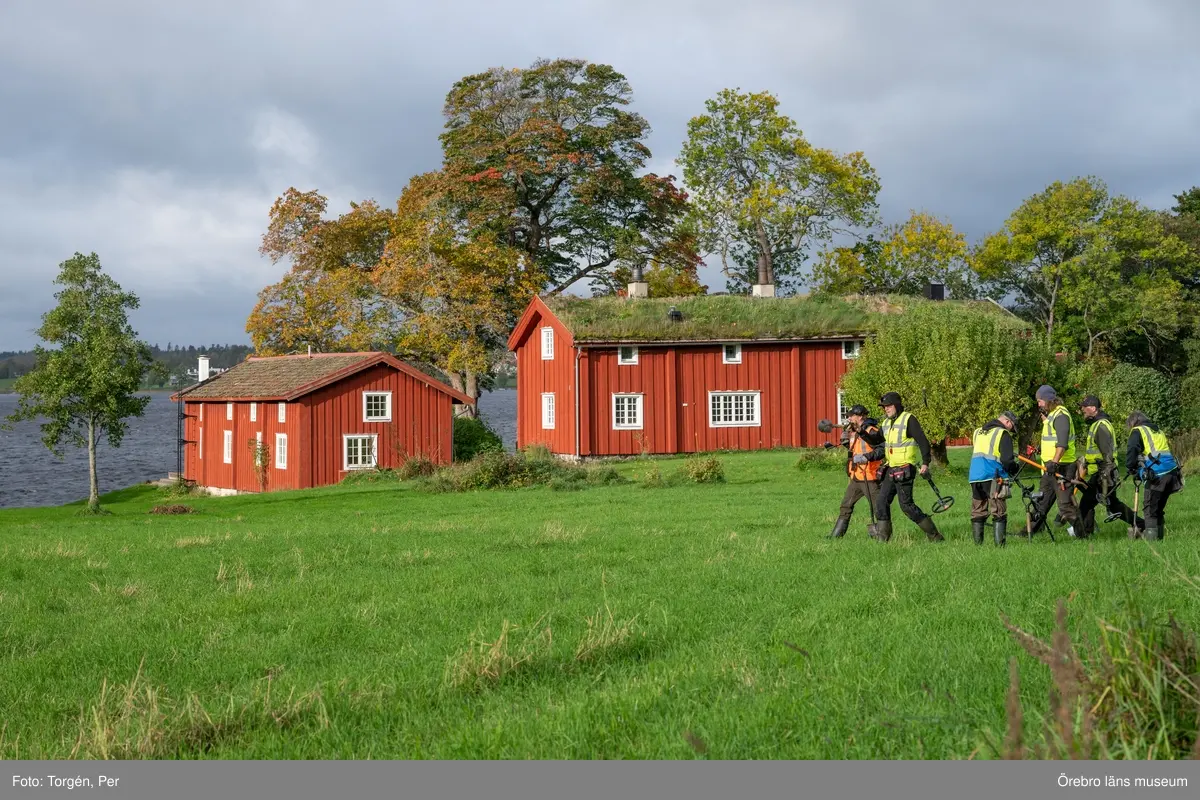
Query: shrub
172	509
516	470
1126	388
704	469
415	467
472	436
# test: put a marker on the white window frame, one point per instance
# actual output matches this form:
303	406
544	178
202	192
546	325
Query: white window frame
227	456
638	408
346	437
229	411
725	359
254	412
841	417
281	451
547	343
857	349
258	444
548	411
624	362
200	443
388	407
282	413
756	406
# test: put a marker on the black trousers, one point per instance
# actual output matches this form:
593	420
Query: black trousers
1157	492
901	487
1060	491
855	491
1094	494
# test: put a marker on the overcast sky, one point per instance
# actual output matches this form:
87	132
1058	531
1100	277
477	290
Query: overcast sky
157	134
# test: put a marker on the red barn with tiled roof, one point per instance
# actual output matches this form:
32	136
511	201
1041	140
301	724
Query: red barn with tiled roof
316	417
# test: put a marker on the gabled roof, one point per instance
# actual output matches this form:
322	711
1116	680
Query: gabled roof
290	377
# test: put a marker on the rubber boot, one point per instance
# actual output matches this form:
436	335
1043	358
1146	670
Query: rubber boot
931	531
1000	531
1153	531
977	526
839	528
883	531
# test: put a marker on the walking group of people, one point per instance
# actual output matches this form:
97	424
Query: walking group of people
885	458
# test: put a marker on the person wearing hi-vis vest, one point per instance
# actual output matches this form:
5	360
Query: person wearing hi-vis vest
1058	461
993	463
864	464
1098	468
1148	458
907	452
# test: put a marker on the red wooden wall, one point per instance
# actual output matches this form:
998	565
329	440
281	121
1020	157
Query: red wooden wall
206	465
535	376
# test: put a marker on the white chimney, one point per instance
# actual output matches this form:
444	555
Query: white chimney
638	287
202	369
763	290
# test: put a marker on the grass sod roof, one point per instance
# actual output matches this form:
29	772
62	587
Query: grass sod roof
272	377
732	317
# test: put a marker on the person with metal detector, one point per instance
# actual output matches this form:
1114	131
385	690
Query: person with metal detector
1149	461
993	464
906	446
1098	469
864	465
1058	461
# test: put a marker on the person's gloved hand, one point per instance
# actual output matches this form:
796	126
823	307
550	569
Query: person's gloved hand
924	469
859	458
1052	467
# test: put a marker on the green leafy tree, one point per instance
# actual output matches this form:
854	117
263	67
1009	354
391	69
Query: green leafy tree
84	386
1127	387
1088	267
908	256
955	366
763	195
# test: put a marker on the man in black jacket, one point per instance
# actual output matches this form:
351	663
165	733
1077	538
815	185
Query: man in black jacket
1149	459
864	458
906	447
1098	468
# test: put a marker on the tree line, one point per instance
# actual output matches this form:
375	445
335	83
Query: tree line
176	360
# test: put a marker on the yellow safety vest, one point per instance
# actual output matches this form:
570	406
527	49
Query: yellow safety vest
1092	454
901	451
987	443
1156	452
1050	441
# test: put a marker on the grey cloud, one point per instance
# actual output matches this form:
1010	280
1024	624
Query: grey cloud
135	129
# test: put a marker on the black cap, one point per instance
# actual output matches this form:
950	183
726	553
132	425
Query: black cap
857	411
1090	400
889	399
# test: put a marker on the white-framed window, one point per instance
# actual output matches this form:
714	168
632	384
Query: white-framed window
734	409
627	355
358	451
281	450
548	411
627	412
258	448
254	412
229	411
731	354
841	405
377	406
283	412
547	343
228	456
851	349
200	443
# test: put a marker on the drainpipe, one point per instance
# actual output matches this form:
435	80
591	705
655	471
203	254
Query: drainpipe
578	353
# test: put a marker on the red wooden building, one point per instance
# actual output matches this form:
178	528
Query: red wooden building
617	376
318	417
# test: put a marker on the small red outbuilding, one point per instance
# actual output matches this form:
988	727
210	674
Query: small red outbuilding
622	376
312	419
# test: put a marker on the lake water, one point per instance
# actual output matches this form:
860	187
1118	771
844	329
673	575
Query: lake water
30	475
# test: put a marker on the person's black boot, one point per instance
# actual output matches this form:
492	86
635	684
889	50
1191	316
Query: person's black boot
977	526
839	528
883	531
1000	531
931	531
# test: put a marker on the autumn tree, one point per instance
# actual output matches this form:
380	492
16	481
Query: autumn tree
1086	266
904	260
83	386
326	300
457	297
763	195
546	160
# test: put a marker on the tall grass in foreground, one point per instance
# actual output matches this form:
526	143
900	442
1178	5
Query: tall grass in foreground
1131	693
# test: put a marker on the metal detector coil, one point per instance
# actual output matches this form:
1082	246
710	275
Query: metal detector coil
943	503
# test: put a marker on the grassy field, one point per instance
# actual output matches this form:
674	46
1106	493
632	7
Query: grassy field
618	622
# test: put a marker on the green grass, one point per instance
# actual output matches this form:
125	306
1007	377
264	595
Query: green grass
728	317
681	622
